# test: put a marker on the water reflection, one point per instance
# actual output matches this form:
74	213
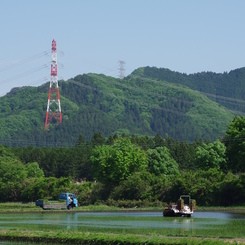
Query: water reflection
218	215
207	223
132	220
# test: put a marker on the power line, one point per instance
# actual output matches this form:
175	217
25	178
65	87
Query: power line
24	74
121	75
228	100
223	97
213	119
109	70
36	82
24	61
110	94
208	94
69	144
156	94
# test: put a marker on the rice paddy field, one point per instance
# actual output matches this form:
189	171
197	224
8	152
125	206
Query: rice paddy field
121	227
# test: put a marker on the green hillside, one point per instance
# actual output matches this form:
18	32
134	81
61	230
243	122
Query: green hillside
138	104
227	89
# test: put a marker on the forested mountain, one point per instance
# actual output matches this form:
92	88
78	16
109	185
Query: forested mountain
227	89
147	102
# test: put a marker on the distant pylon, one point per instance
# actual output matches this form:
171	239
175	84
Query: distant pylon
121	69
53	97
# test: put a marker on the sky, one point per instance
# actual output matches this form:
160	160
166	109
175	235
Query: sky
187	36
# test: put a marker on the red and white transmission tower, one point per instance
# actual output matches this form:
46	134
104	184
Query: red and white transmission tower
53	97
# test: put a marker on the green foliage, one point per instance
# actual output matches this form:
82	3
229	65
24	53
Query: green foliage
83	192
161	162
80	141
12	175
208	187
215	85
97	139
235	144
211	155
135	187
136	170
33	170
232	189
44	188
120	169
144	103
112	164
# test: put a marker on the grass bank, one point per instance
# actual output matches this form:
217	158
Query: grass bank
232	209
96	228
111	239
14	207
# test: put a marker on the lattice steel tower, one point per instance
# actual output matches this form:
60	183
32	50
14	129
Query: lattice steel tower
121	69
53	107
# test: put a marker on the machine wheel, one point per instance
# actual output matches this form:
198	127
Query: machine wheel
70	207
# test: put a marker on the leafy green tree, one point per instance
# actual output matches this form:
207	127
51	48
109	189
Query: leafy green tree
161	162
231	190
202	185
83	192
235	144
12	175
112	164
41	188
211	155
33	170
135	187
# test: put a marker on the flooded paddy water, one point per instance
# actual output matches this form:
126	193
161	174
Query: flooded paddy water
202	224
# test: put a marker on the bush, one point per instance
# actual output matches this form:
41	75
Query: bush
83	192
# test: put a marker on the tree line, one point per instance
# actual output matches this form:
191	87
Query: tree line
129	171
